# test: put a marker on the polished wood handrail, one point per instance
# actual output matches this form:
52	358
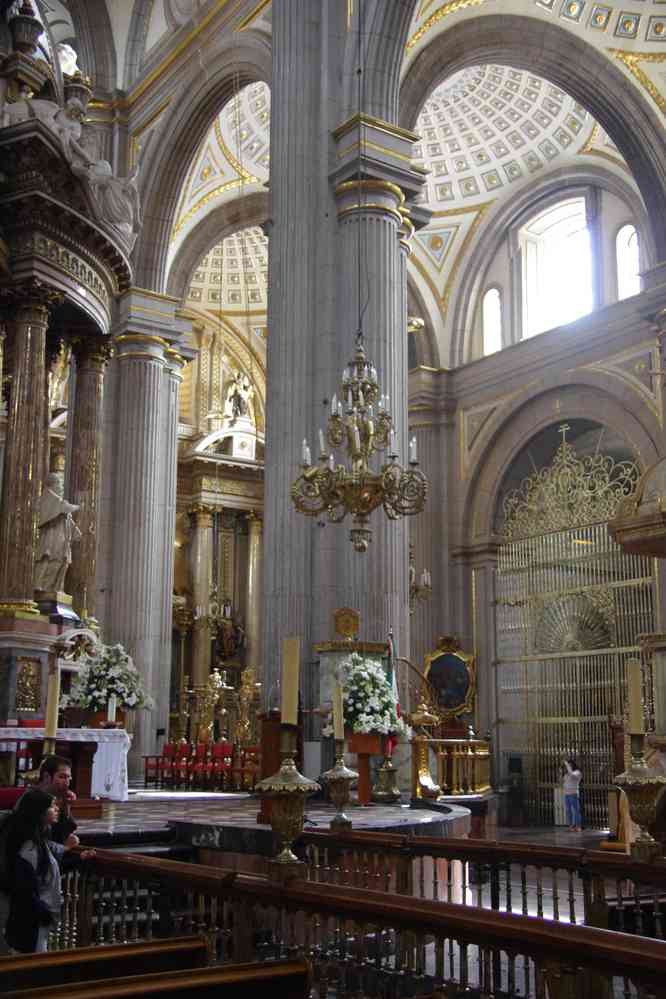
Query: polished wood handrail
522	934
593	862
287	979
89	963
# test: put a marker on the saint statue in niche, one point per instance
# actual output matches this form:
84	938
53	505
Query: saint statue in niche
57	531
239	396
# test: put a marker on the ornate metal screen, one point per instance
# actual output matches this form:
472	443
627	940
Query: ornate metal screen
570	606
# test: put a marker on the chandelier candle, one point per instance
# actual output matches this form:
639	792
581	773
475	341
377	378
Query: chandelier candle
291	662
634	696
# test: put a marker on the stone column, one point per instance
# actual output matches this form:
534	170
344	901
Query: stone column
137	525
23	458
171	387
84	475
253	655
201	550
297	317
375	583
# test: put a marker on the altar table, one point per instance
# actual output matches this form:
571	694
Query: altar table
108	778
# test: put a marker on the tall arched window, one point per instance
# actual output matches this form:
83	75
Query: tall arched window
492	321
557	267
628	262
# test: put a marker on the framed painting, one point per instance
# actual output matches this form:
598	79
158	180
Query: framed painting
452	674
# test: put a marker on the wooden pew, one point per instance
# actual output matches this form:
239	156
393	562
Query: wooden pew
36	971
285	979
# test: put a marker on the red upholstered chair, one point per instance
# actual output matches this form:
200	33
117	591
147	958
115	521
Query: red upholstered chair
181	764
219	765
152	765
9	796
198	765
165	764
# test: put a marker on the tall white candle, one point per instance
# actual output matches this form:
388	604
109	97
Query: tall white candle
412	450
635	697
334	404
322	442
291	662
111	708
304	451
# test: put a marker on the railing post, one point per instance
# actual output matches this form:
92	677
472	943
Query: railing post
494	886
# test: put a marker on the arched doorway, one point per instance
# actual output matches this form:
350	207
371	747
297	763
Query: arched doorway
569	608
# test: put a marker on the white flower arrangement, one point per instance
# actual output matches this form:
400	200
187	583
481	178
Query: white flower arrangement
109	670
369	702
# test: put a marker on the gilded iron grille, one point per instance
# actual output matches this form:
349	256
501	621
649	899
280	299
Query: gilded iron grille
569	608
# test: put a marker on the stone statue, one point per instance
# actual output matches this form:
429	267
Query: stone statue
239	394
116	199
57	530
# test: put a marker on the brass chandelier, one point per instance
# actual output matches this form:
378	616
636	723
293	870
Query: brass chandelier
333	490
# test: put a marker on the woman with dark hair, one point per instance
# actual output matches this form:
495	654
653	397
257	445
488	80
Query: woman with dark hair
32	871
570	785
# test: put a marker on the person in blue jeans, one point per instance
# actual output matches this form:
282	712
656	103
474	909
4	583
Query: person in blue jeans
571	786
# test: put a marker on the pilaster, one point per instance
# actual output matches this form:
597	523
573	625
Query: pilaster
201	552
253	656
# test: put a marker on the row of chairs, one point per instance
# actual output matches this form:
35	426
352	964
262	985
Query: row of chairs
213	766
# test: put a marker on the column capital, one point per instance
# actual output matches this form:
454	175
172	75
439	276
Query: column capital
255	521
35	295
202	514
369	196
92	351
175	363
146	346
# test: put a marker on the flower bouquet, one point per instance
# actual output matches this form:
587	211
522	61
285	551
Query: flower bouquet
108	671
368	699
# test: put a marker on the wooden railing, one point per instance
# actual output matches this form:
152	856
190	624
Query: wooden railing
361	942
564	884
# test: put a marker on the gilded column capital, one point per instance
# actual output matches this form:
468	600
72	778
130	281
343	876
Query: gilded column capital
34	296
175	363
370	196
255	521
92	351
406	229
144	346
202	514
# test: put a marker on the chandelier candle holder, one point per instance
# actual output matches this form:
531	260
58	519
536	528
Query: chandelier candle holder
360	424
287	790
421	590
339	780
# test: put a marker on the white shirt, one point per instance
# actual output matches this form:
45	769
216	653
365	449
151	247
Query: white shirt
571	780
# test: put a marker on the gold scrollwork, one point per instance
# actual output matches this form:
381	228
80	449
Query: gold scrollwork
28	683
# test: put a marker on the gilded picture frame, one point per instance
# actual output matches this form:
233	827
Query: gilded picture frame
452	674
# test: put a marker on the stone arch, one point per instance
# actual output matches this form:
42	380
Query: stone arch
590	395
386	28
569	62
220	222
95	42
506	214
167	163
136	40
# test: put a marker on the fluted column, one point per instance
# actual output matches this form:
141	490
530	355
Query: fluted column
297	314
253	655
91	357
137	526
23	458
171	388
201	549
375	583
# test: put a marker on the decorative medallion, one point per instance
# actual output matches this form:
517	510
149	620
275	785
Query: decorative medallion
346	622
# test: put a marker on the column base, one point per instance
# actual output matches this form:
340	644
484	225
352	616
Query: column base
57	605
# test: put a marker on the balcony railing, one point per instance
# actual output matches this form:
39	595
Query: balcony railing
359	942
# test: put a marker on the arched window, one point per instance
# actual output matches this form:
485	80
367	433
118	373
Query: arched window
628	262
492	321
557	267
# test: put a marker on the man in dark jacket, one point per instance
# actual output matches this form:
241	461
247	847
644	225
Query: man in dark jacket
55	776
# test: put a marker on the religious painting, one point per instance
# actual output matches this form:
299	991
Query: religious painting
452	674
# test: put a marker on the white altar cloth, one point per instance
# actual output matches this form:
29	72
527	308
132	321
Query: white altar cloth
109	769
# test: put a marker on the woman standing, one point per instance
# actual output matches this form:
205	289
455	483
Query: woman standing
571	785
32	866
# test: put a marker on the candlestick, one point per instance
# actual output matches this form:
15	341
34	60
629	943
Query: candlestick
634	696
338	713
52	704
111	708
350	403
291	661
